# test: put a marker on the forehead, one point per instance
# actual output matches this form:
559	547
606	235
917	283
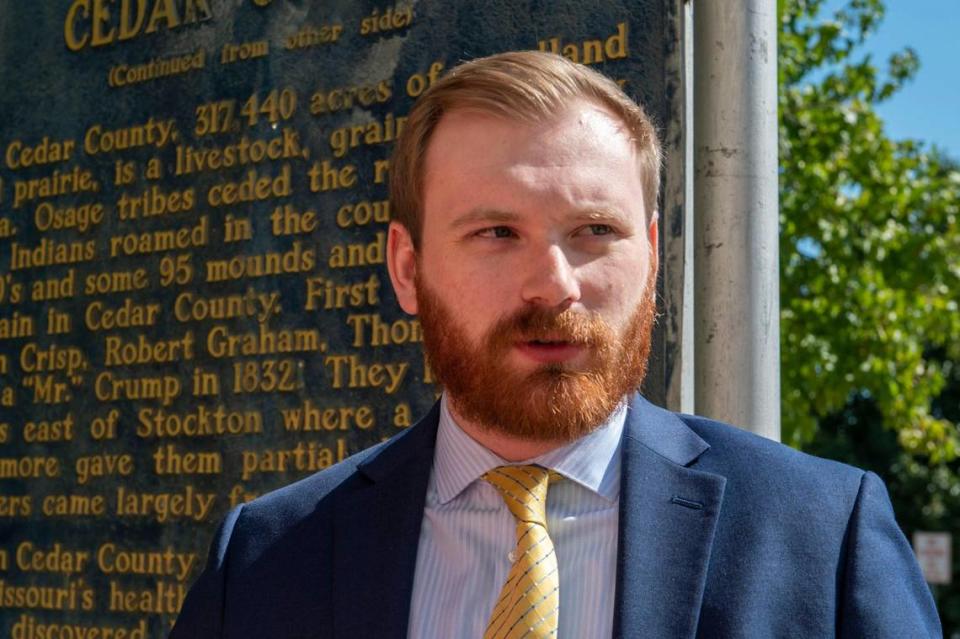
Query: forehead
583	124
582	155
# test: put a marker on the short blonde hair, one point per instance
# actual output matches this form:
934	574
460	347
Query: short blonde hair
518	85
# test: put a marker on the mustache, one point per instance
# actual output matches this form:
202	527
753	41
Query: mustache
545	324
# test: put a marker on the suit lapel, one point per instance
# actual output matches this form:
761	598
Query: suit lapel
668	515
376	534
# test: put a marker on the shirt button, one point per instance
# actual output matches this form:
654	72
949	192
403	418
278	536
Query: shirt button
512	556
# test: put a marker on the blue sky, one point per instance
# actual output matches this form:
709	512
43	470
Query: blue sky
928	108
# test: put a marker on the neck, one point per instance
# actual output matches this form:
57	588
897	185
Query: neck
503	445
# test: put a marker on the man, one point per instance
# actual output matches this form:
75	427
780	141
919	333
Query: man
524	192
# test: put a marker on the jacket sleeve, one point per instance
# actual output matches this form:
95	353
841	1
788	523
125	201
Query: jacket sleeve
883	591
201	616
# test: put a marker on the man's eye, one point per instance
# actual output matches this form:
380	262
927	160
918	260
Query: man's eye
599	229
497	232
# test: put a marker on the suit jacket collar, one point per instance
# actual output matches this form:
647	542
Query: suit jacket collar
376	535
668	515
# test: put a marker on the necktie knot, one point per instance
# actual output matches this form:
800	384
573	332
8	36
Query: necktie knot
524	491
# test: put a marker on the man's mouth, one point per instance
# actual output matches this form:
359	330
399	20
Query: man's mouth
549	351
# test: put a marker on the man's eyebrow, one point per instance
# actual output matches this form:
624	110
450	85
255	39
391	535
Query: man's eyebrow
486	216
600	215
498	216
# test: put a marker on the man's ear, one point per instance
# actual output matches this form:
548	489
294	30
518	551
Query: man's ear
653	240
402	264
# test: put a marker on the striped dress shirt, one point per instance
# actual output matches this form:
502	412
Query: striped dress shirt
468	534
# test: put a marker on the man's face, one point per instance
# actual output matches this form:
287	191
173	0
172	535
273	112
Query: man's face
535	276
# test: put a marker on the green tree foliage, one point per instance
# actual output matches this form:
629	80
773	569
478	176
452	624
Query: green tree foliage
870	265
870	244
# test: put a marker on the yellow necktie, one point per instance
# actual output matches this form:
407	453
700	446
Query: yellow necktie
529	604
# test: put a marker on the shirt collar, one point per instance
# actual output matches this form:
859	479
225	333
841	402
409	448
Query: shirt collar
592	461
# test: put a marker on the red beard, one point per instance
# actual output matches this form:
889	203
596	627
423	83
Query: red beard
555	402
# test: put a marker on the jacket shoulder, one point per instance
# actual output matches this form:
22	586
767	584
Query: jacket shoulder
304	495
807	535
308	503
740	449
762	471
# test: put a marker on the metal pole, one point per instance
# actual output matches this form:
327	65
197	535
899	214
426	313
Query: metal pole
736	271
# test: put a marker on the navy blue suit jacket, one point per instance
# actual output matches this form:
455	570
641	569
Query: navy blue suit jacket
722	534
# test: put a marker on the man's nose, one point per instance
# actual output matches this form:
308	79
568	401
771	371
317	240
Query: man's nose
551	279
